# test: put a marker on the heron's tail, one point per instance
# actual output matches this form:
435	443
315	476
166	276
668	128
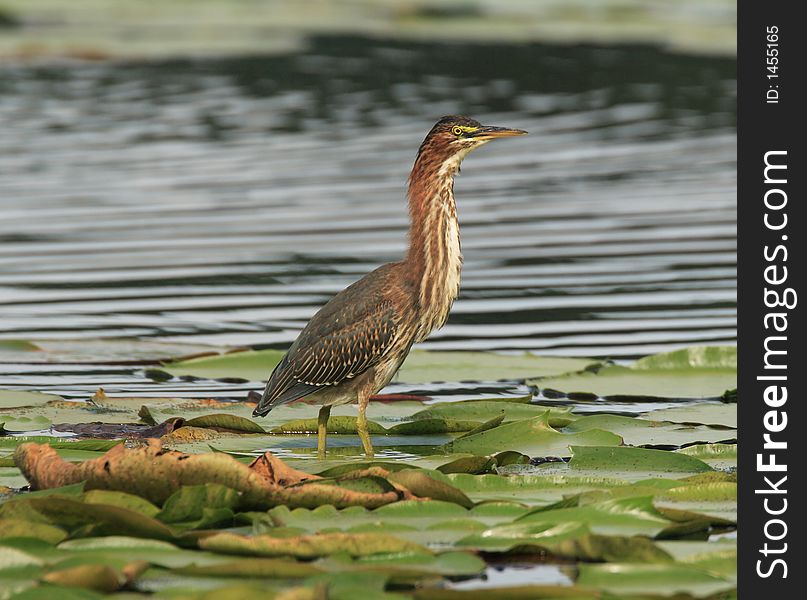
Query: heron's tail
262	406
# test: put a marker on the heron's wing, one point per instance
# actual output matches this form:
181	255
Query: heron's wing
350	334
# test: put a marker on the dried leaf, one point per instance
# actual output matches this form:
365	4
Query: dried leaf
155	474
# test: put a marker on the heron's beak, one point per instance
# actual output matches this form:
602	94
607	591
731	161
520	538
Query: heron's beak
489	133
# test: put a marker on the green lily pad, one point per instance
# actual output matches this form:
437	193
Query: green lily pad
15	399
626	516
634	459
424	367
449	563
619	578
571	540
198	506
475	465
16	346
533	437
253	567
624	382
253	365
225	422
13	528
74	514
122	499
22	423
485	410
354	544
432	426
336	424
638	432
60	443
97	350
694	357
699	372
420	367
422	485
704	413
705	451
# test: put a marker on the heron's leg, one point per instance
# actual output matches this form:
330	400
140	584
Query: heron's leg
361	425
322	430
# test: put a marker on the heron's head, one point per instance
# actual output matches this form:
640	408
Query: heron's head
453	137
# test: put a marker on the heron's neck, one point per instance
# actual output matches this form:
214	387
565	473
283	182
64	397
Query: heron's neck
434	257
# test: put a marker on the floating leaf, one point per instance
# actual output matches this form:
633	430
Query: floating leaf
253	567
425	367
99	578
688	373
694	357
11	558
121	499
16	399
250	365
60	443
17	346
154	474
40	531
669	578
705	451
637	432
309	546
634	459
718	491
422	485
707	414
625	516
104	519
336	424
420	367
531	436
225	422
418	564
571	540
432	426
485	410
469	464
193	503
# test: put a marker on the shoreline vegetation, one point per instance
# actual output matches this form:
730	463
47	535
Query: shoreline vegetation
44	30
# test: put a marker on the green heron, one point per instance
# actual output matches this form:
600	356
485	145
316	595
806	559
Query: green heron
356	343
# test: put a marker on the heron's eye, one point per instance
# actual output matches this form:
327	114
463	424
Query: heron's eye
456	130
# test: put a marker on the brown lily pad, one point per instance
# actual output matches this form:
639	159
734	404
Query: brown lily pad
154	474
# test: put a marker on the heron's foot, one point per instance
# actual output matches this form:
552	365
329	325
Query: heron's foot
364	434
322	430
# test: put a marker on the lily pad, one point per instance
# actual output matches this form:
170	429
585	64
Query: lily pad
634	459
424	367
669	578
701	412
533	437
336	424
15	399
625	382
701	372
309	546
485	410
638	432
225	422
571	540
705	451
694	357
420	367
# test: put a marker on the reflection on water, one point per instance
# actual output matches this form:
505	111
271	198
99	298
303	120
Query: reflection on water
223	201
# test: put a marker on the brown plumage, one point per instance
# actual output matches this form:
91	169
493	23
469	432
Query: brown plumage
355	344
